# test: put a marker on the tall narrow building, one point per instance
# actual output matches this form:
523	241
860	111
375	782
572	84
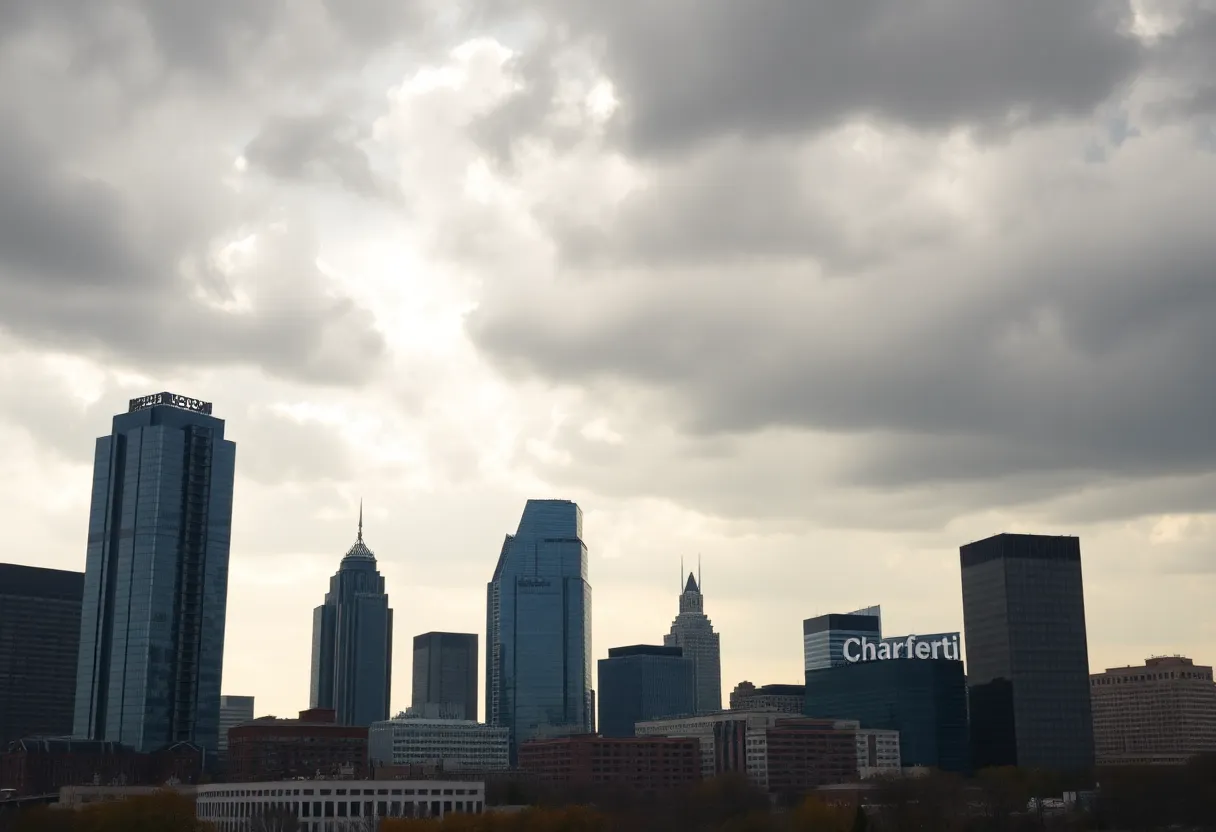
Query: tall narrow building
1027	655
156	577
694	632
39	644
538	628
352	641
445	674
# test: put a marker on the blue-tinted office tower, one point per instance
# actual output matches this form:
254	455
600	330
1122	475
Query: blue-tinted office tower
823	637
538	627
352	641
644	682
156	577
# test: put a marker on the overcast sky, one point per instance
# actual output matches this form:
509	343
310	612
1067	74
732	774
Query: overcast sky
818	290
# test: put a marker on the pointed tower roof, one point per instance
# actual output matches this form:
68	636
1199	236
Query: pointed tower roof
691	585
360	550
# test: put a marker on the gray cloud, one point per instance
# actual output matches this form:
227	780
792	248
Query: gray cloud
321	146
688	71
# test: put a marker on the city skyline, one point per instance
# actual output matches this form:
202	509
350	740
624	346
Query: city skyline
804	310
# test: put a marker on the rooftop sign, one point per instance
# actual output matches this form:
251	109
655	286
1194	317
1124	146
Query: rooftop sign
940	646
172	400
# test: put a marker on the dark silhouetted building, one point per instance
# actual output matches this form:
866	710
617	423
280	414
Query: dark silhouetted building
1027	656
786	699
43	766
352	641
39	641
823	637
925	700
156	578
445	674
270	749
643	682
647	764
538	628
234	710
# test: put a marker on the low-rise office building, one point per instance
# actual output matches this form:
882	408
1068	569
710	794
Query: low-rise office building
450	744
877	753
786	699
1160	713
279	749
648	764
794	755
324	805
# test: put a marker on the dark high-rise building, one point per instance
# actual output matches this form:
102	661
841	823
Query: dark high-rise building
445	673
925	700
156	578
39	640
352	641
1027	657
644	682
538	628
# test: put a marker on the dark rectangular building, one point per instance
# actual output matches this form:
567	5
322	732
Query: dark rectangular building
270	749
647	764
924	699
804	754
644	682
156	578
39	642
445	674
1027	655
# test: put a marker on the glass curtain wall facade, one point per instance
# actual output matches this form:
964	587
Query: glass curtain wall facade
823	637
1027	655
156	577
445	673
538	628
352	641
39	643
641	683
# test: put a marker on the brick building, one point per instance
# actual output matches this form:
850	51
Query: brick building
43	766
647	763
270	749
1161	713
798	755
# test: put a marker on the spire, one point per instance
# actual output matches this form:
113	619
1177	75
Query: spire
691	584
360	519
360	550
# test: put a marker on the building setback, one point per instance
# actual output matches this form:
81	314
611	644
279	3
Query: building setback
352	641
282	749
156	578
786	699
694	632
538	627
450	744
39	642
1027	655
651	764
1161	713
643	682
445	674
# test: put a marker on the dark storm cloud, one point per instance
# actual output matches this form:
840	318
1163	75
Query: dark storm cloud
691	70
321	146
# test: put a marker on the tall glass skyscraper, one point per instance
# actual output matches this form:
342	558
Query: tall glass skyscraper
538	628
352	641
445	673
1027	655
694	632
156	577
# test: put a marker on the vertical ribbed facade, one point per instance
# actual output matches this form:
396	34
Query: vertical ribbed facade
156	578
538	628
445	673
694	633
352	642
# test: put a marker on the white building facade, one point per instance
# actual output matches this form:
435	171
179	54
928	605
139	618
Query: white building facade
453	744
335	805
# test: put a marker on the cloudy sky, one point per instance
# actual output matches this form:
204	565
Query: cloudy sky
816	290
